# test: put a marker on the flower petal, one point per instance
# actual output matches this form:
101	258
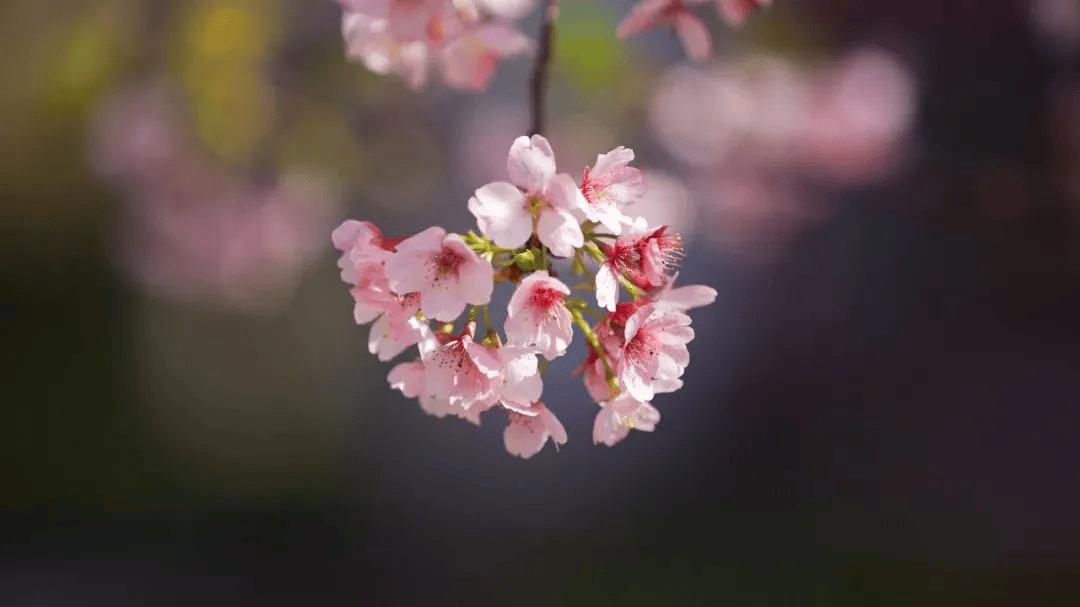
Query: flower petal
531	163
560	232
502	214
694	35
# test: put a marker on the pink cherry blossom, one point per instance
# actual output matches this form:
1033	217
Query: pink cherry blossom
362	244
621	258
370	40
517	385
444	270
649	14
396	329
529	428
735	12
537	315
660	251
654	348
371	293
536	200
609	186
469	60
409	379
407	20
413	37
617	417
392	313
459	369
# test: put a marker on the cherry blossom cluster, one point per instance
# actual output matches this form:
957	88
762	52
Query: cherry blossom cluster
462	41
688	27
415	291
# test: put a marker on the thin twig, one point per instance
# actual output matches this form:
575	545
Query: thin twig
539	79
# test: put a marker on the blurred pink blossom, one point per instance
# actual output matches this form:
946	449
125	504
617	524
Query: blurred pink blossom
736	11
686	24
243	245
847	121
413	37
862	110
650	14
189	228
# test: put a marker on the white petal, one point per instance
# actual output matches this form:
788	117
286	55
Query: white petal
613	160
485	360
607	288
637	385
364	313
502	214
531	163
562	193
560	232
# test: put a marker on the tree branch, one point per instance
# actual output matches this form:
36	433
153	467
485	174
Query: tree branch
539	80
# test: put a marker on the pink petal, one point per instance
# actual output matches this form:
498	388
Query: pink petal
383	342
405	269
694	35
690	296
408	378
735	12
477	278
554	426
504	39
645	15
524	436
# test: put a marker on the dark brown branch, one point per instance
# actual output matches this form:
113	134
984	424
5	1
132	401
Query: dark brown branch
539	80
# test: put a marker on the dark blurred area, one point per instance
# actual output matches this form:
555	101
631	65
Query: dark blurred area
881	407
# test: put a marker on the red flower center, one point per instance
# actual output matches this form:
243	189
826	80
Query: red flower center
545	298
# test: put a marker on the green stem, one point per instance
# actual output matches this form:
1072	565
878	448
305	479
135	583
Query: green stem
487	319
590	337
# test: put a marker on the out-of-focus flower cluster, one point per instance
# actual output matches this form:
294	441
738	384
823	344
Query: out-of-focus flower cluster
192	228
415	289
755	129
685	22
461	41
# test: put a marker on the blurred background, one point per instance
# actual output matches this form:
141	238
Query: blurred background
881	407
